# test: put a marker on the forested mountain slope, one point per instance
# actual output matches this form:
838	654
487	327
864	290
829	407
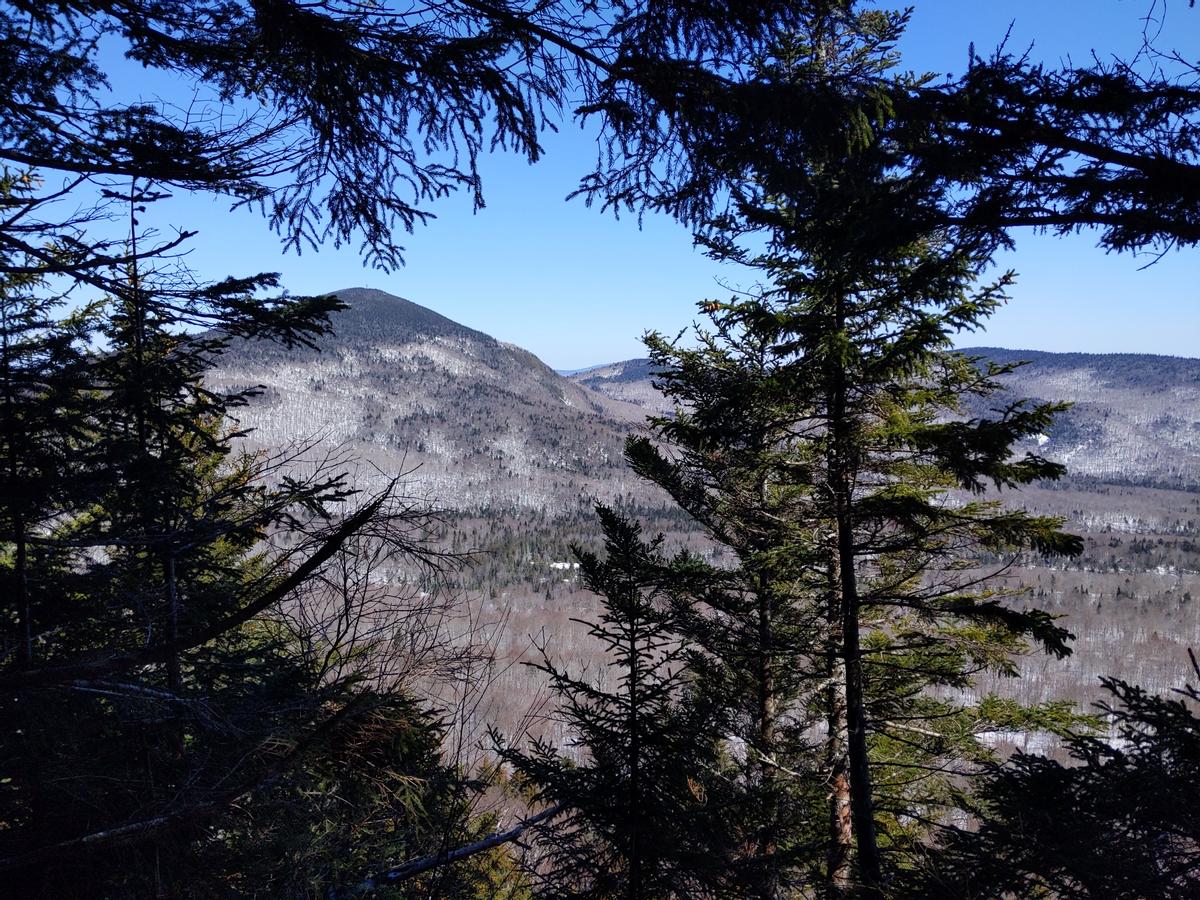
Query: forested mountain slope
485	425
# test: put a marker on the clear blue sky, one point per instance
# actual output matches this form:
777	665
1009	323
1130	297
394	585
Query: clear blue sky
578	288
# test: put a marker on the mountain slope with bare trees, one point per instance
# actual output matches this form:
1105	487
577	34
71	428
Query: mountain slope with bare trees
516	454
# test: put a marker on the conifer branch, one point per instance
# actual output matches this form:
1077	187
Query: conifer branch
419	866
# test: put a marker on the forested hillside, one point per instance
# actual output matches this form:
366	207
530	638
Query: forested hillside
1131	446
516	455
1134	418
482	426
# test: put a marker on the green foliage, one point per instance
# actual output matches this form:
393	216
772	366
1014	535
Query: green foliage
174	649
44	379
1106	144
341	121
752	627
173	670
821	432
381	791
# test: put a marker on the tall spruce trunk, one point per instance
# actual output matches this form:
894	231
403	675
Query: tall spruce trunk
840	858
20	534
861	791
635	771
174	674
841	474
24	607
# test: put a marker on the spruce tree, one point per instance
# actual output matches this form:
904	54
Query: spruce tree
1121	818
1105	146
637	821
342	122
44	376
878	443
752	626
181	662
929	618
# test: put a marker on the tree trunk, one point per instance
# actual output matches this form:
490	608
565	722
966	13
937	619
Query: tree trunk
635	769
21	563
174	676
841	474
174	673
861	792
840	857
24	608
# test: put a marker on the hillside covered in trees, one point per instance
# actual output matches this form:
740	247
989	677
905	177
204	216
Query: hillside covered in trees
236	659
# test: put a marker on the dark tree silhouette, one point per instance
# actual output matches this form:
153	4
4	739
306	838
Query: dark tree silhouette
1121	819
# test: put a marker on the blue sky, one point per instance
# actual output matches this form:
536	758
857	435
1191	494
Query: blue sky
578	287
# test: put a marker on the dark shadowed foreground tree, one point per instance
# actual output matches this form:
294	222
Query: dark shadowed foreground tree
342	121
1121	819
382	790
1108	146
192	631
44	374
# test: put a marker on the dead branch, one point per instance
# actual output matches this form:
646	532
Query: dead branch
424	864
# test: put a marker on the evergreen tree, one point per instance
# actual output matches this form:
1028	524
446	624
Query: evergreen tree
1106	146
165	656
381	790
930	619
752	628
190	661
43	383
142	608
872	438
637	819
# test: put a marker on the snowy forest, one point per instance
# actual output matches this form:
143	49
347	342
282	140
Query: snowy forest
242	663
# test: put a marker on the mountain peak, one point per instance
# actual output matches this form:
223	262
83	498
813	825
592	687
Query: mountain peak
377	314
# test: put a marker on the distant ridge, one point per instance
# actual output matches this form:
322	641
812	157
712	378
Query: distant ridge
1003	353
515	454
1130	369
630	381
1135	417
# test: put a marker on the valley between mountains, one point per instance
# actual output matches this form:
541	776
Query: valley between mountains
516	454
